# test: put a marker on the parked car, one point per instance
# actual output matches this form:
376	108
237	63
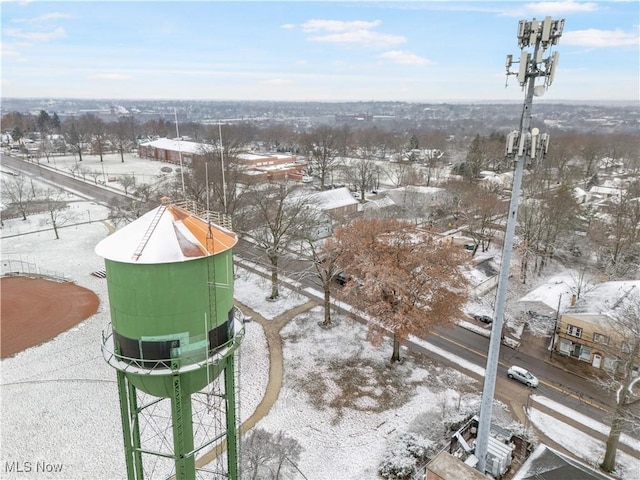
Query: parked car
483	318
341	279
523	376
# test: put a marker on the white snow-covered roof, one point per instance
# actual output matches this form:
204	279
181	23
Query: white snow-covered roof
601	299
178	236
401	194
331	199
608	297
579	192
379	203
178	145
549	293
598	190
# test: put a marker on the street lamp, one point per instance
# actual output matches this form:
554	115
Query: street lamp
524	145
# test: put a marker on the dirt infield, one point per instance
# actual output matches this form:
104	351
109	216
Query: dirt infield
34	310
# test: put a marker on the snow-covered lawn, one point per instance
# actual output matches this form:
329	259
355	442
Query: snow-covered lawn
340	398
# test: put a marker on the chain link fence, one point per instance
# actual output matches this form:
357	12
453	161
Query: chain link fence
11	267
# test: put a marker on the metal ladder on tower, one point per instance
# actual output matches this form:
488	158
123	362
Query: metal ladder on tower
148	233
213	300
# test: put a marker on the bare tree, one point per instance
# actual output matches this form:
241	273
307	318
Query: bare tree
625	381
401	277
223	174
279	137
144	192
590	151
95	174
484	152
123	134
57	211
325	256
127	182
617	233
20	193
322	145
275	217
479	209
582	282
268	456
76	134
402	173
361	173
97	131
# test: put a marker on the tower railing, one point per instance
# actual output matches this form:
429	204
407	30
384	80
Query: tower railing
209	216
168	366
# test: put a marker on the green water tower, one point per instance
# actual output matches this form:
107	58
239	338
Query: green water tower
174	332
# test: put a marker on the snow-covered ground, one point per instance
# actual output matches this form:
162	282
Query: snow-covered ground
59	401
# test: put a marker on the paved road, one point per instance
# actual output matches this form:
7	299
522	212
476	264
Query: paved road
88	190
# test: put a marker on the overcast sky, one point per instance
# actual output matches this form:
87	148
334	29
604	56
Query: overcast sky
328	51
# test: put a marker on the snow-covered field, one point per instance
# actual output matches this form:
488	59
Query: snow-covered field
59	400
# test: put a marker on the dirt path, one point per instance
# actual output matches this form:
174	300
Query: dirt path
276	370
276	363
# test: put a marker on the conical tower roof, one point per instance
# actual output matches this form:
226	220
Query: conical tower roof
166	234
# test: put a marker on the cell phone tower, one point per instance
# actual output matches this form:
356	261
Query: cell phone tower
173	341
524	146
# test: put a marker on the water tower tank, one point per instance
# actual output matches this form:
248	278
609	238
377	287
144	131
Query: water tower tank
173	328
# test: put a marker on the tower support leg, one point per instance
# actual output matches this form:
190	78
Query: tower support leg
130	427
182	431
230	408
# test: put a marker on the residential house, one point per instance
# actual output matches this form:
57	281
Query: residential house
547	463
588	331
605	193
337	203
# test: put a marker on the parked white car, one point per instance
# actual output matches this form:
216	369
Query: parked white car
523	376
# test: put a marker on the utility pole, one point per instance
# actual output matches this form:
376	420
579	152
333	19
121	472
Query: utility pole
555	327
526	144
175	114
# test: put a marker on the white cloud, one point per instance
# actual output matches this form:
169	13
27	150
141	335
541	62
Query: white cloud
278	82
543	9
338	25
405	58
288	26
364	38
8	51
561	8
600	38
43	18
36	36
355	33
118	77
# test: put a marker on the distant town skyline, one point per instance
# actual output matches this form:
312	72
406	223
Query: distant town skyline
417	51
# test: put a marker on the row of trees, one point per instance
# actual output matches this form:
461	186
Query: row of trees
27	199
574	155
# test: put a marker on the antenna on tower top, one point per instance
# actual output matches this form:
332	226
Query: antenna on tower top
175	115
